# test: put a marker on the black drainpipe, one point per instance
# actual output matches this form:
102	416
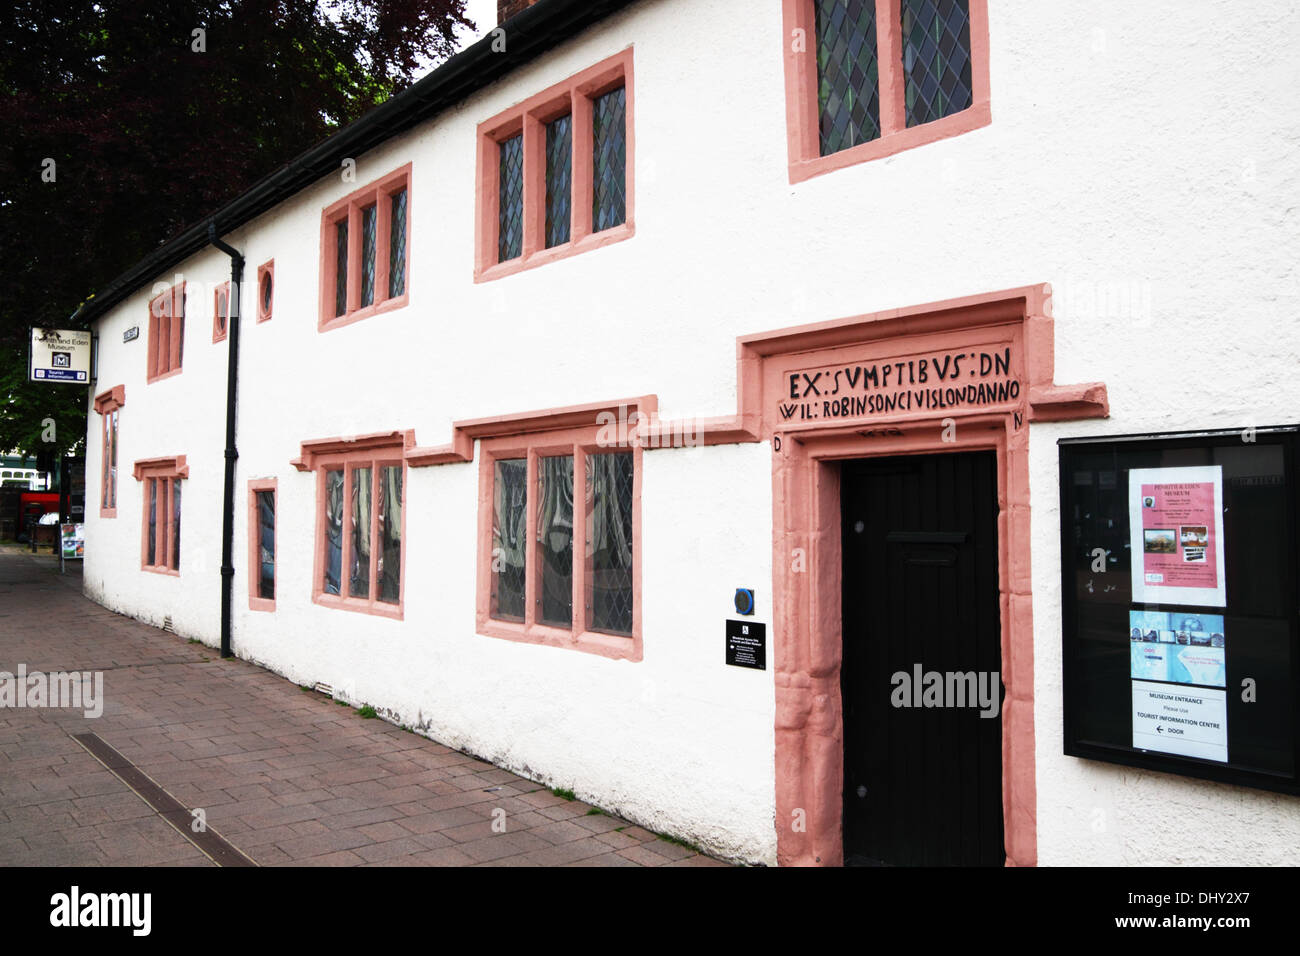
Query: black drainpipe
232	454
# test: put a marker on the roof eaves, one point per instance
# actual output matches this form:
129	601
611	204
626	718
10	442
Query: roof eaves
529	34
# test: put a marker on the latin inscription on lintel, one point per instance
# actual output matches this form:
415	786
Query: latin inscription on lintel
940	383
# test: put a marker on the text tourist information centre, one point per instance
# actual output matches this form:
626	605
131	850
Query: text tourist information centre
824	431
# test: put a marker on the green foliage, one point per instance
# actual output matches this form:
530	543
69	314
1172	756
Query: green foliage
35	412
676	842
562	793
149	135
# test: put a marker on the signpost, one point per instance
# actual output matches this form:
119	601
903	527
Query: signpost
72	544
63	356
60	355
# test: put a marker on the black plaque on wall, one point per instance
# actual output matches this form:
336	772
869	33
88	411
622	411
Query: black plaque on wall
747	644
1181	631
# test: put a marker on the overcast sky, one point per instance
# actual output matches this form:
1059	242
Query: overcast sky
484	15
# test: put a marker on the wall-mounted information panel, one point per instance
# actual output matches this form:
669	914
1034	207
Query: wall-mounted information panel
1179	561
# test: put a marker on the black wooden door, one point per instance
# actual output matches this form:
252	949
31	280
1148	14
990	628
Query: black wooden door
922	784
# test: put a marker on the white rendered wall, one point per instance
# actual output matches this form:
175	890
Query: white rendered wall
1140	159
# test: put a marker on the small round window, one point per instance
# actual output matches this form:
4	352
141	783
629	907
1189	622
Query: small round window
265	294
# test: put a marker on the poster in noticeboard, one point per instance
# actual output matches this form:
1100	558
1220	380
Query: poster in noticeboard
1183	672
1178	662
73	541
1176	524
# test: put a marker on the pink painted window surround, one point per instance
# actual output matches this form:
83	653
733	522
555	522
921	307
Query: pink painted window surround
220	312
160	535
262	507
365	246
560	542
265	290
166	333
360	521
107	405
560	180
901	82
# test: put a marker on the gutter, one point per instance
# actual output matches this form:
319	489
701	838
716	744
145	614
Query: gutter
527	35
231	453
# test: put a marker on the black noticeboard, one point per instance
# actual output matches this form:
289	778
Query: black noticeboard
1180	605
747	644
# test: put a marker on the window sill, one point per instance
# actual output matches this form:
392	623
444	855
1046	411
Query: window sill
565	250
261	604
388	305
974	117
613	646
159	378
159	569
108	512
376	608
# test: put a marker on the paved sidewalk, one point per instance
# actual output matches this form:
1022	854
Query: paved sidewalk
286	776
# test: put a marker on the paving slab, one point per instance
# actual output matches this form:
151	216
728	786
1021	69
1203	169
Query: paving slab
286	777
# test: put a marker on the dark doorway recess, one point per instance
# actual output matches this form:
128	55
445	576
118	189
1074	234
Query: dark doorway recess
922	784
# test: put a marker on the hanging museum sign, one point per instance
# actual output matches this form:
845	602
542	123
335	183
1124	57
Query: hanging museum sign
60	355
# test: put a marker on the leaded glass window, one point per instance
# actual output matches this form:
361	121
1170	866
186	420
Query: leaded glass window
936	59
510	237
369	217
609	541
341	268
555	540
359	552
609	144
509	538
165	340
333	531
162	529
559	180
151	546
158	332
376	218
112	473
109	490
541	199
848	73
266	544
166	332
389	560
585	516
266	289
397	245
363	533
174	553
